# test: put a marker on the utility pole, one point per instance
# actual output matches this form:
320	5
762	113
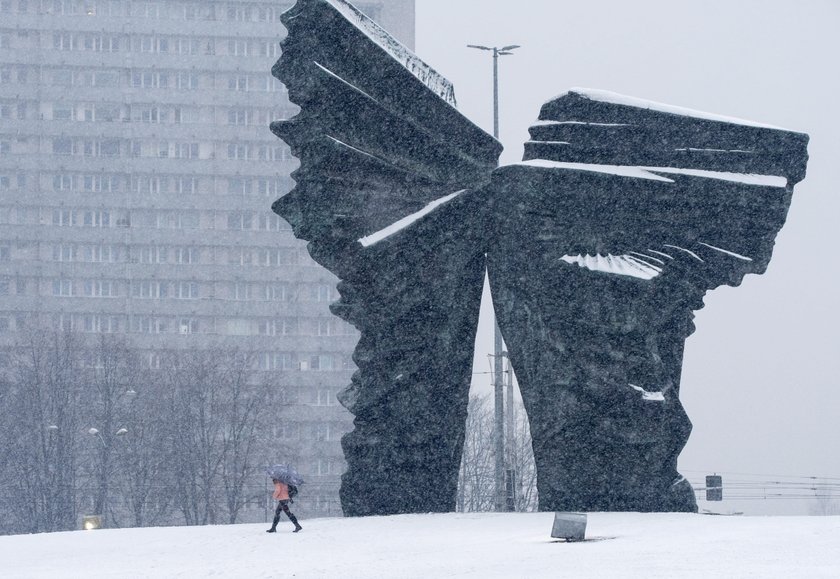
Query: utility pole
500	496
510	473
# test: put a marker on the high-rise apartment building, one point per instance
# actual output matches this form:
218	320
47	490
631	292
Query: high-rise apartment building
137	173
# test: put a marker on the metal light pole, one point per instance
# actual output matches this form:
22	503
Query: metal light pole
500	496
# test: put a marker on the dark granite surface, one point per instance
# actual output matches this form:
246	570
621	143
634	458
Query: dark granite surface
596	342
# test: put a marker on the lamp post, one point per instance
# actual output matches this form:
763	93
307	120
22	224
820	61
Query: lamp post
97	521
500	496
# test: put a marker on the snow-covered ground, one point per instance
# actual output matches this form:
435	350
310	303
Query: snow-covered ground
619	545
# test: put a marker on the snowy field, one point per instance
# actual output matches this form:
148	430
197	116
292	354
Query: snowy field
619	545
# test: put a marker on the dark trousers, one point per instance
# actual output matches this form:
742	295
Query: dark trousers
283	507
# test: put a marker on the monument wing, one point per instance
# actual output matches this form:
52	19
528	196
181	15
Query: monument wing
385	194
378	135
629	211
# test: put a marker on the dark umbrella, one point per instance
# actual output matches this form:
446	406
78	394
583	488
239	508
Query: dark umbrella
285	474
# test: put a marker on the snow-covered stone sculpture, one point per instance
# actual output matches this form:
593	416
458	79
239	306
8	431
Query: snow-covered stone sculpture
599	246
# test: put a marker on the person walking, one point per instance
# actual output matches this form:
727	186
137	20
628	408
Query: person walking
281	494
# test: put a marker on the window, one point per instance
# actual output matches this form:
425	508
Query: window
239	327
240	256
286	430
63	182
273	187
64	217
149	289
239	186
238	117
276	361
323	362
100	288
238	47
99	323
149	115
321	430
277	327
238	82
62	146
326	327
147	9
99	183
185	151
322	293
185	115
62	77
237	151
242	291
268	48
186	81
148	325
186	290
100	253
64	252
153	44
185	45
148	79
239	13
240	220
275	292
96	218
103	79
186	255
272	222
62	287
192	12
187	326
154	254
324	467
186	185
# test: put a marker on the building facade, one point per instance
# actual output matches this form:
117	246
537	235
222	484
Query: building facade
137	173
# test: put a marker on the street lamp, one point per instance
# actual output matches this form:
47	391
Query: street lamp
497	52
97	521
500	501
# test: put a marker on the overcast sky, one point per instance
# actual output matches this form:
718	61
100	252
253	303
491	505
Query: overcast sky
760	373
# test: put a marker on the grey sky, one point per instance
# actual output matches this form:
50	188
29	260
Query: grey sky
760	373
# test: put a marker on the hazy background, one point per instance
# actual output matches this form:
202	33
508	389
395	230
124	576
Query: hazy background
760	373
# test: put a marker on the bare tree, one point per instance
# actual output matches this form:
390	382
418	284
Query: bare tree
245	400
145	457
110	380
42	416
88	428
477	475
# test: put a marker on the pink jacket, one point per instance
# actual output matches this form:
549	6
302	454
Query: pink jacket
281	491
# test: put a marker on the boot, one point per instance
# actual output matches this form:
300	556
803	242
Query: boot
273	528
294	521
